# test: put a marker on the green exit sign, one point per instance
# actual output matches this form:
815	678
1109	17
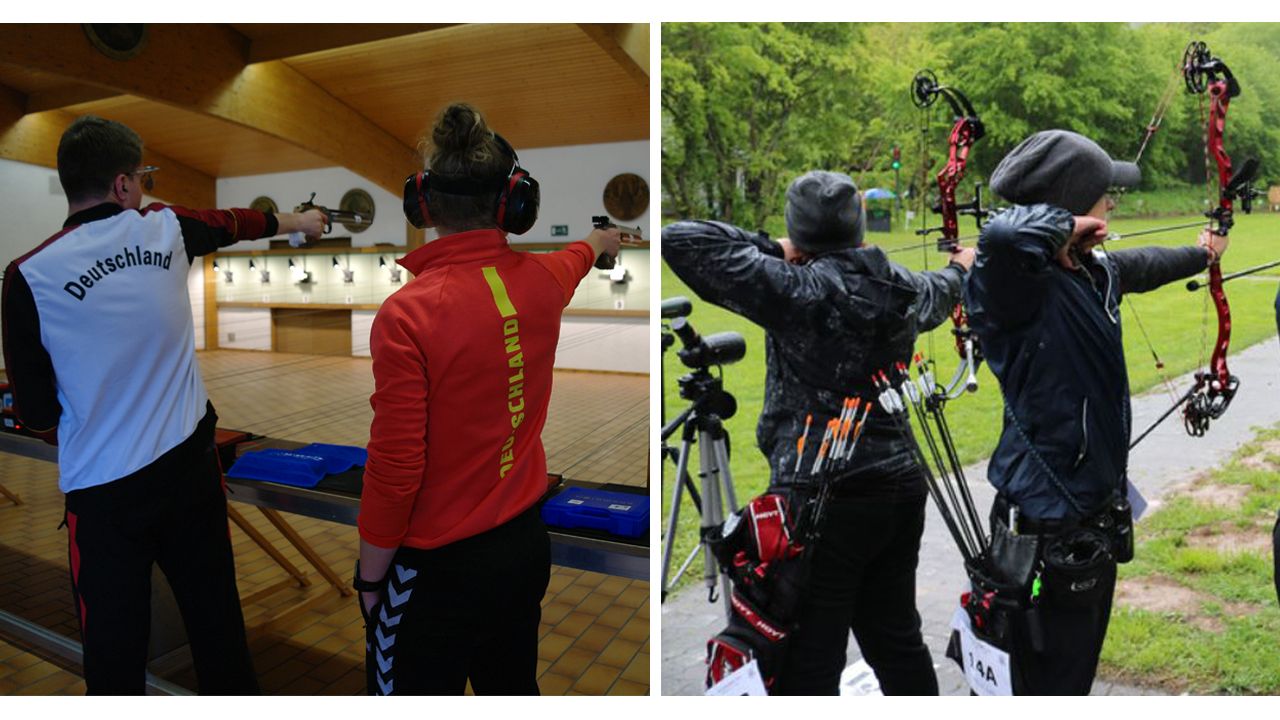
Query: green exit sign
559	231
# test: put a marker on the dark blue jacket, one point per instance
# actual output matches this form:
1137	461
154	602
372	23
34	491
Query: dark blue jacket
1052	337
828	325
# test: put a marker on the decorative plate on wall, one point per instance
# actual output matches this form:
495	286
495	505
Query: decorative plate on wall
360	202
262	203
626	197
118	41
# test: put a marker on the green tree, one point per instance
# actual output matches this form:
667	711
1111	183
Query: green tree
746	107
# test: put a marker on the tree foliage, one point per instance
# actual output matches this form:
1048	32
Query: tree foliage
746	107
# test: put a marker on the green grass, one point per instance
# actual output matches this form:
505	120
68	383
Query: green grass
1181	325
1167	201
1235	591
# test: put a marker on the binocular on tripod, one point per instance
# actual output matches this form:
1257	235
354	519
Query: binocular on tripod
697	351
702	426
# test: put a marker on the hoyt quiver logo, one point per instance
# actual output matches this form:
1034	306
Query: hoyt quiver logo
760	549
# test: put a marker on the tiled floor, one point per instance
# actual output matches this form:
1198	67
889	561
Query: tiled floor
309	640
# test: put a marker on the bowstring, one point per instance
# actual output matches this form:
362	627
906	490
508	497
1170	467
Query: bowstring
1208	189
1157	119
925	167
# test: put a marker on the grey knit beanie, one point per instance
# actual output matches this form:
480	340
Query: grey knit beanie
824	212
1060	168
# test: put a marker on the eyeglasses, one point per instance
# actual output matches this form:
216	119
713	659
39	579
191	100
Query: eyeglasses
145	172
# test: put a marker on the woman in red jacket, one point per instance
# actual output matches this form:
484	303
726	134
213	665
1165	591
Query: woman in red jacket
454	559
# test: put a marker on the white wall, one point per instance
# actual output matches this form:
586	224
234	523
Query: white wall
617	344
195	289
34	207
361	324
571	180
289	189
244	328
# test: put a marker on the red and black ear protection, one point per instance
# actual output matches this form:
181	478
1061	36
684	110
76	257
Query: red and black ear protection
516	208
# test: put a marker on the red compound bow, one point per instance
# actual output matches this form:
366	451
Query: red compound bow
966	130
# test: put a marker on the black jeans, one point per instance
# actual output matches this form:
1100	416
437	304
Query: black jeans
466	611
863	578
174	513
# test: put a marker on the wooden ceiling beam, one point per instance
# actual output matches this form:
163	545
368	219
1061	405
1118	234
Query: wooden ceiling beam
318	38
203	68
32	138
627	44
66	96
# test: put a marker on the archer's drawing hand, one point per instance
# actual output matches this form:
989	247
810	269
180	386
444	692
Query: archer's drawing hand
791	254
1087	232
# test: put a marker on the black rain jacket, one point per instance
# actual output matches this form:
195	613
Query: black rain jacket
1052	338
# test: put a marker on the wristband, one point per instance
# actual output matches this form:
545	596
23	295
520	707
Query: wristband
362	585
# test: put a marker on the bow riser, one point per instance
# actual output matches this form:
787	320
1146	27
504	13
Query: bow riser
965	131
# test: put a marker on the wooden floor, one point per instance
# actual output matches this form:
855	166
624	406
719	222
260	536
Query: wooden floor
597	426
309	640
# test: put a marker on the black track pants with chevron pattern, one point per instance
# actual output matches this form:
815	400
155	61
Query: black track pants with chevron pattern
466	611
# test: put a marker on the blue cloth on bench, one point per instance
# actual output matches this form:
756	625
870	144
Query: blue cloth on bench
304	467
337	458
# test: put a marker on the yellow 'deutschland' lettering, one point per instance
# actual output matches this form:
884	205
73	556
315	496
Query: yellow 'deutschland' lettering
515	361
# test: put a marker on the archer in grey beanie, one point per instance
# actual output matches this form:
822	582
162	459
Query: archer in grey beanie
824	212
1060	168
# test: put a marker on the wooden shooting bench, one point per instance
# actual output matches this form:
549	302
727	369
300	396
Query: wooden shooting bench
37	449
10	422
337	499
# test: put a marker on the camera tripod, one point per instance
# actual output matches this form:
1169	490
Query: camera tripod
703	424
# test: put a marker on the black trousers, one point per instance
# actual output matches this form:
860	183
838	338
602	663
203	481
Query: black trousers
1275	551
174	513
1054	645
1067	659
863	578
466	611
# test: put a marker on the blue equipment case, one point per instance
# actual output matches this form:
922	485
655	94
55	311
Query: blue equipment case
617	513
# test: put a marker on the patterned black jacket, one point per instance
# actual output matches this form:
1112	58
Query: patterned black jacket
829	324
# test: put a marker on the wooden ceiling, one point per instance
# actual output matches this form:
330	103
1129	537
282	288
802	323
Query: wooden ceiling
216	101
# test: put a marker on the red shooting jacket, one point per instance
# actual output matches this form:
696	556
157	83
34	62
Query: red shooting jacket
462	359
